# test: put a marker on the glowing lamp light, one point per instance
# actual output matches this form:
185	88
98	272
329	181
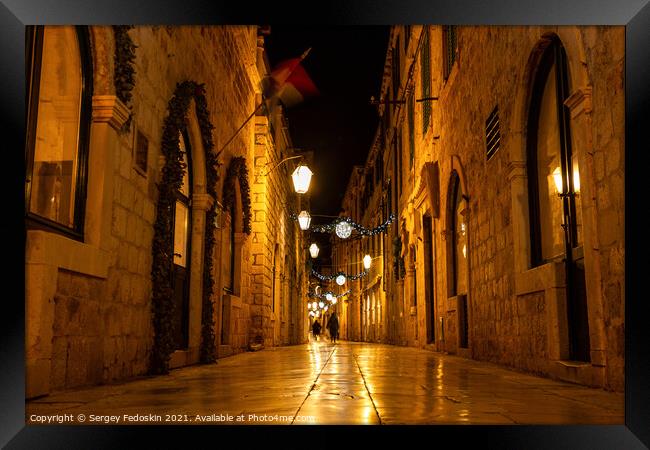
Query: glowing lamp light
311	313
313	250
334	301
576	180
343	230
304	219
367	261
557	177
329	296
301	179
321	304
340	280
314	305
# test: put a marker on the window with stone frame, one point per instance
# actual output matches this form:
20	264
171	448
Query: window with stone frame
59	83
411	124
425	75
456	236
141	152
450	48
395	62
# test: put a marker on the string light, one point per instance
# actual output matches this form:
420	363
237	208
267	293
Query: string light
337	276
329	295
344	225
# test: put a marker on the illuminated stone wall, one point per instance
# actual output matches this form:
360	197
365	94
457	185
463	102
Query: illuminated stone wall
89	303
516	314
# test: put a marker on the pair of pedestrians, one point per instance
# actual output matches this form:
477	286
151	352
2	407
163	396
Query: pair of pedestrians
332	326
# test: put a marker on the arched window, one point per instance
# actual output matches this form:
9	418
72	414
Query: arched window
552	168
458	233
554	186
59	83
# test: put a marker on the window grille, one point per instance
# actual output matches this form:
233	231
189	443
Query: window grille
492	133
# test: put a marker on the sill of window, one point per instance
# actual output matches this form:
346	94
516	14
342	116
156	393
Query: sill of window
540	278
576	364
54	249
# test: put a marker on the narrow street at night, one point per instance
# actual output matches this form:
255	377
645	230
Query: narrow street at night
343	383
209	209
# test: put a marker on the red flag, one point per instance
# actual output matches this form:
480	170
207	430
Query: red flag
290	82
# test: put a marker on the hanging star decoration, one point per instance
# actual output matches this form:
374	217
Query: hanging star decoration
343	227
336	275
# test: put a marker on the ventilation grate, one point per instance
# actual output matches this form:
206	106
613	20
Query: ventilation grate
492	133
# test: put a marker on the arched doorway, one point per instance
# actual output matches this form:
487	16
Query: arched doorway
182	218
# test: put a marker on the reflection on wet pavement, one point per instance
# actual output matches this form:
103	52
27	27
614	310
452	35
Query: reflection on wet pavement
343	383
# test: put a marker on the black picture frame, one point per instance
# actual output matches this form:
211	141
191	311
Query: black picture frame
633	14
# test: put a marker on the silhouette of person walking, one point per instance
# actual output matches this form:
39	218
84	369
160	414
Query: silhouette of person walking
333	327
315	328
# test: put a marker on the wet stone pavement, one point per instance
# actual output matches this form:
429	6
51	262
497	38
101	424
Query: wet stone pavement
343	383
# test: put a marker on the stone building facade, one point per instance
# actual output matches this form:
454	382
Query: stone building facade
96	153
500	150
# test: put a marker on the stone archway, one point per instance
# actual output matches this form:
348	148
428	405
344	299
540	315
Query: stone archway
186	110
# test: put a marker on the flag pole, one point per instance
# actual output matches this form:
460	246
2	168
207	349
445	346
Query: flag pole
302	57
240	128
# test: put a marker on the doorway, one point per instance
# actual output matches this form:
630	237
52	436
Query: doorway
428	279
181	261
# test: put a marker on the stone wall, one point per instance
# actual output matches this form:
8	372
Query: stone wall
89	303
517	314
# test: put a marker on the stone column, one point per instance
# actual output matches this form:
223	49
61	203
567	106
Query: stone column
200	204
108	116
261	248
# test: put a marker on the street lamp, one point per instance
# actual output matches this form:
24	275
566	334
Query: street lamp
313	250
367	261
321	305
304	219
301	178
340	279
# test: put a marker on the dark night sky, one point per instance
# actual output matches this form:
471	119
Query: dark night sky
346	65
